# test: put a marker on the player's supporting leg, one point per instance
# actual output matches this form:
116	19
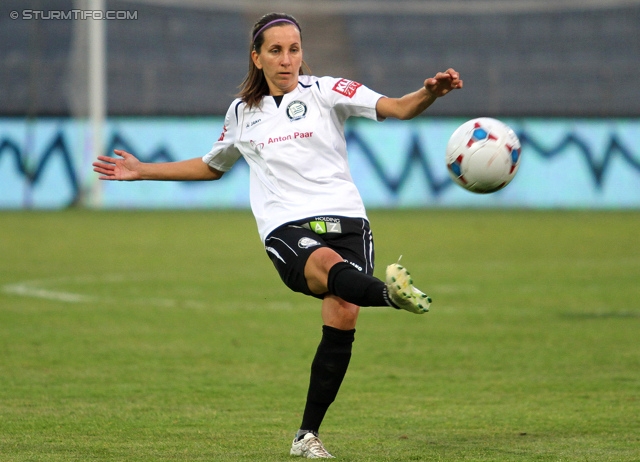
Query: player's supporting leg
327	373
310	447
348	289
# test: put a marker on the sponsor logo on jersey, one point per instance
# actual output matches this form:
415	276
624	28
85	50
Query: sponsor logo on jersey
257	146
252	123
307	242
296	110
295	136
346	87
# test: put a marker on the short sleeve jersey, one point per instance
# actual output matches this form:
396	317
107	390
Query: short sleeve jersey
296	150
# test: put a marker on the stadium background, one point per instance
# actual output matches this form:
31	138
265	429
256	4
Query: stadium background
564	74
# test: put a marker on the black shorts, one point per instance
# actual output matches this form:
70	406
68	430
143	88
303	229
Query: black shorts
289	246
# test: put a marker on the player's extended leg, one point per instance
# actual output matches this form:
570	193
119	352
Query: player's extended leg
327	372
326	271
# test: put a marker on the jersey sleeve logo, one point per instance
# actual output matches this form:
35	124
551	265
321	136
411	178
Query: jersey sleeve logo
346	87
224	131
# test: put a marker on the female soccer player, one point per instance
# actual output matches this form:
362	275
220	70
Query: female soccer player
289	127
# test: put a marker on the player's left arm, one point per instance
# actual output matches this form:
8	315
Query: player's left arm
413	104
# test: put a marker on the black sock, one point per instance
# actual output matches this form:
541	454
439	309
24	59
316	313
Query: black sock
300	434
327	371
356	287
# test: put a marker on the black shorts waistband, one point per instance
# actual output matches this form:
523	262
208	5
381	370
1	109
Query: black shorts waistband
327	224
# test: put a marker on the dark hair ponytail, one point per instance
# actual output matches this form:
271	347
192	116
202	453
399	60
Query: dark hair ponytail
254	86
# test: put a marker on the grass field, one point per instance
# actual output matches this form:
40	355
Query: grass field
167	336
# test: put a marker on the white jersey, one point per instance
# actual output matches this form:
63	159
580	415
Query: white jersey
296	150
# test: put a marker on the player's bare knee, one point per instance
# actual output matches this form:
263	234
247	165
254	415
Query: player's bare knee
316	270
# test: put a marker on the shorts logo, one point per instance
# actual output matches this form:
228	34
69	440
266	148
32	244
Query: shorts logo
275	253
307	242
296	110
323	227
346	87
318	227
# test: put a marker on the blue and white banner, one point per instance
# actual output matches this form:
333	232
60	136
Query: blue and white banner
566	163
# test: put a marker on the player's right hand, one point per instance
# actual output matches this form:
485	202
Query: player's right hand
112	168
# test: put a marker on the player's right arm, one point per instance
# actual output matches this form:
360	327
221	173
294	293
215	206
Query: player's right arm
129	168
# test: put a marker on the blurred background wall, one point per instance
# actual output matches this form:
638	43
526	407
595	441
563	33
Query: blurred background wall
519	57
565	74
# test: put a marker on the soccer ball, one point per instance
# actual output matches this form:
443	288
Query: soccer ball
483	155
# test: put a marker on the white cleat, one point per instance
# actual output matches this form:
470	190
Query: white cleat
403	293
310	447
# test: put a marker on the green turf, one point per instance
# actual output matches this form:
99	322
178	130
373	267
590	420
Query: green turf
167	336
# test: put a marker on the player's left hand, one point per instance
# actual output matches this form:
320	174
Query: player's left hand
443	82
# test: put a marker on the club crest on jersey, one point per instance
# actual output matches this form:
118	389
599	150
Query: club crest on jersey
346	87
307	242
296	110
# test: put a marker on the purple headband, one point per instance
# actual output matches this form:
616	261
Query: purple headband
271	23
